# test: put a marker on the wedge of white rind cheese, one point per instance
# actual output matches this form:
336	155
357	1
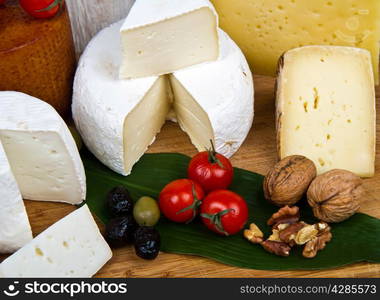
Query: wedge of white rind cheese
215	100
326	108
41	150
117	119
15	229
72	247
162	36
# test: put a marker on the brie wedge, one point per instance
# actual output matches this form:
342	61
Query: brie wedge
15	229
119	119
41	150
162	36
72	247
326	108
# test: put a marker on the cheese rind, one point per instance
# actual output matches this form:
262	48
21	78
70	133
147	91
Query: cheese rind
326	108
15	229
159	37
264	29
215	100
41	150
72	247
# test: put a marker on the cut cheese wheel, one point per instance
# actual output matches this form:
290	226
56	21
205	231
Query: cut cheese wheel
72	247
162	36
41	150
15	229
265	29
37	56
326	108
118	119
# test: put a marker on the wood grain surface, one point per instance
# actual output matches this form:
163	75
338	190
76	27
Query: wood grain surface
257	154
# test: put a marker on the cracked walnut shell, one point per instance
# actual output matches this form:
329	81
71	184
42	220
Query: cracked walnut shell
335	195
289	179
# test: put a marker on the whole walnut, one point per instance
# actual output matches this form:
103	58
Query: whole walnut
289	180
335	195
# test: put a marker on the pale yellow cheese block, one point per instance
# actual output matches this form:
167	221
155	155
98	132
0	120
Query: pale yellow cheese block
326	108
265	29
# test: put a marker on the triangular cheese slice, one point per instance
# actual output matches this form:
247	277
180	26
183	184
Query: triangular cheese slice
72	247
162	36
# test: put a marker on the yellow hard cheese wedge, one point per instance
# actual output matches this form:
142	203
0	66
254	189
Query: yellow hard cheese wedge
326	108
265	29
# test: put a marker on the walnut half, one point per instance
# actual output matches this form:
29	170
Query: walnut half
275	247
318	242
254	234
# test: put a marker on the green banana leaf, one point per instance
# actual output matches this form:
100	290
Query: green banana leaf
355	240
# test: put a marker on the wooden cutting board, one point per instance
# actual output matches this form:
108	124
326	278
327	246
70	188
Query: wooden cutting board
257	154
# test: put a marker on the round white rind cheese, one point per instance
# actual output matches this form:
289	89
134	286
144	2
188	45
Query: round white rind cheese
101	101
224	89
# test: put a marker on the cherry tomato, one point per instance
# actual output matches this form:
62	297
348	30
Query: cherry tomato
211	170
180	199
41	9
224	212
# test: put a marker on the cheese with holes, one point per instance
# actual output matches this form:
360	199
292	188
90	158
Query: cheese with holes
326	108
15	229
265	29
119	119
162	36
41	150
72	247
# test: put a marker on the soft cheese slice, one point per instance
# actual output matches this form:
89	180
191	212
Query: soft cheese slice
162	36
326	108
117	119
214	100
72	247
15	229
41	150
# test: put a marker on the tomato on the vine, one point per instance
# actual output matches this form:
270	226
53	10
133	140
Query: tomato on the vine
179	200
224	212
42	9
211	170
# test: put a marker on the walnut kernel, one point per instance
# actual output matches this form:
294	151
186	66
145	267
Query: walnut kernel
254	234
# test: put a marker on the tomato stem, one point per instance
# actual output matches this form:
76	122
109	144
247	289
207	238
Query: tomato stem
212	156
216	219
52	5
194	207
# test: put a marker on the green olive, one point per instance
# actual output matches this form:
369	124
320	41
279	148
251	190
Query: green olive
146	211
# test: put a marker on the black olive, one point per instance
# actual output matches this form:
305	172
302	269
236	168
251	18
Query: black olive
119	202
147	242
120	231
